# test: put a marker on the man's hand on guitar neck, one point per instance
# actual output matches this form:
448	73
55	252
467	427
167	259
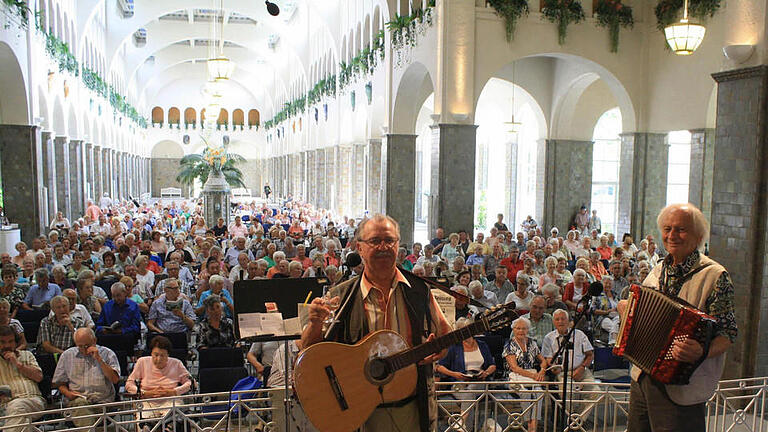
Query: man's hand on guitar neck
434	357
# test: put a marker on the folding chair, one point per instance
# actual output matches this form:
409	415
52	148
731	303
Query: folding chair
220	358
217	380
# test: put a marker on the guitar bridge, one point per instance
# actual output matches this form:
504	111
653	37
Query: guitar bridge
334	382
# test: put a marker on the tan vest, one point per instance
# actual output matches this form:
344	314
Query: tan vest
695	291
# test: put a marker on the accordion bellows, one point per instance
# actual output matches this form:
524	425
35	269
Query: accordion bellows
650	325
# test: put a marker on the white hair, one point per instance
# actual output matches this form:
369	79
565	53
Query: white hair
700	226
278	255
579	272
216	279
474	284
550	259
561	311
460	289
523	320
551	289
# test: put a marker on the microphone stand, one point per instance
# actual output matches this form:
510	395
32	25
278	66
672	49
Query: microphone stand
567	348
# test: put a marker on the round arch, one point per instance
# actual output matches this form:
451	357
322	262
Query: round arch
14	107
167	149
58	124
415	86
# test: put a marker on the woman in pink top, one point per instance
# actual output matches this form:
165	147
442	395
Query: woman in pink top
160	376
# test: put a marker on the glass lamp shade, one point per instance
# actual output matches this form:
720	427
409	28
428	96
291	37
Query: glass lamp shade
684	37
220	68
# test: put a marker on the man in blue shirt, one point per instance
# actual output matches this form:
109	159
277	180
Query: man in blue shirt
41	293
119	309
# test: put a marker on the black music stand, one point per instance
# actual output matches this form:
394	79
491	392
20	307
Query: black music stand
251	297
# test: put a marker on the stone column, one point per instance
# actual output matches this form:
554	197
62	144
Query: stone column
322	178
452	201
90	189
568	181
642	184
344	179
49	175
358	180
76	178
374	193
740	210
98	173
510	184
23	179
63	191
331	185
398	154
700	178
106	173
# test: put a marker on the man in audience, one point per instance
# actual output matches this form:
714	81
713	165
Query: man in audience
140	287
500	286
256	270
551	293
429	255
56	333
494	260
512	262
20	372
439	241
185	274
237	228
239	271
583	352
619	281
121	315
41	293
541	322
231	257
178	246
76	309
487	298
86	374
169	313
301	256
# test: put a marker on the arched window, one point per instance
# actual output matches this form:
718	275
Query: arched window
190	116
157	115
606	155
253	117
223	117
238	117
678	166
174	116
527	164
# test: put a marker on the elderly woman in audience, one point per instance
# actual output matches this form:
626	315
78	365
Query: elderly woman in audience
109	272
334	274
7	320
462	309
529	271
478	292
470	360
628	245
216	287
551	275
572	243
525	364
522	296
596	268
86	298
11	290
553	297
429	268
476	256
605	313
215	330
59	277
583	263
28	270
574	291
452	249
159	376
21	248
295	270
604	249
143	274
401	261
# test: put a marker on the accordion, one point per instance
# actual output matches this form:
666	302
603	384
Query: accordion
652	322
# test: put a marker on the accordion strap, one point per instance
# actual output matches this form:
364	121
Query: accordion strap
682	280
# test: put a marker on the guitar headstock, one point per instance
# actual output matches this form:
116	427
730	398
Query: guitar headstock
498	316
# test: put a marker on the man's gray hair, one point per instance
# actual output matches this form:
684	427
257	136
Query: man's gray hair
561	311
211	300
522	277
41	273
118	286
460	289
216	279
59	299
551	289
59	268
475	283
700	226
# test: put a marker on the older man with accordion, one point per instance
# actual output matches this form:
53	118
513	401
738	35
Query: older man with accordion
690	298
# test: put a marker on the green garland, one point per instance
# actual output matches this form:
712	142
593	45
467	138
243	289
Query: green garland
20	9
670	11
613	14
563	13
59	52
511	11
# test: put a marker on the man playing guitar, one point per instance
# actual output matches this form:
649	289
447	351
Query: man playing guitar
384	298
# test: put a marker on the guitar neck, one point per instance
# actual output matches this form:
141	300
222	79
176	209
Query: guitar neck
417	353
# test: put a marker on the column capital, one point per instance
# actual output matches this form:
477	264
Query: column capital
739	74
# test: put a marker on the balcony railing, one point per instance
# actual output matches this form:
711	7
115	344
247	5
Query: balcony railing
737	405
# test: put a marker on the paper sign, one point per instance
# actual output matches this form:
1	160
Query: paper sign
447	304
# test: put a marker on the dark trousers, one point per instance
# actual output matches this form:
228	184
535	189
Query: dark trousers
650	409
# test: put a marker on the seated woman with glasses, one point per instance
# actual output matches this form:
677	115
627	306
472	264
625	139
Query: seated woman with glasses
158	376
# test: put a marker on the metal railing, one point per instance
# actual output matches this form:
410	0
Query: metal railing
737	405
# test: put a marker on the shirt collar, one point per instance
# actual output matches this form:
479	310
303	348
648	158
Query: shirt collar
686	266
366	285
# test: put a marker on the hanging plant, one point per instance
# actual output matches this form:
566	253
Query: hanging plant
20	9
613	14
670	11
510	11
562	13
369	92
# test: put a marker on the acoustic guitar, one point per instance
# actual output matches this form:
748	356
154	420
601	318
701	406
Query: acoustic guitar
340	385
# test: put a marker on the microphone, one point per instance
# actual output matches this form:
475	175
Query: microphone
595	289
353	260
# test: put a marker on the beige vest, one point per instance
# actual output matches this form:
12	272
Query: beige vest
695	291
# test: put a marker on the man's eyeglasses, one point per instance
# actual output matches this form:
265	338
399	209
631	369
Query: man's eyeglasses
377	242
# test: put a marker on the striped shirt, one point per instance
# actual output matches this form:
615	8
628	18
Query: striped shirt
83	374
60	336
21	386
389	311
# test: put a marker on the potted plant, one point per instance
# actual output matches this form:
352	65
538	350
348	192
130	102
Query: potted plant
562	13
613	14
669	11
510	11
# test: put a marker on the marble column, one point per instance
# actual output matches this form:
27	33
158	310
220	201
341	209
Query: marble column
106	173
739	224
90	190
344	179
49	175
642	183
700	177
98	173
452	204
331	185
63	192
23	179
374	193
312	178
76	178
398	155
568	182
358	180
510	184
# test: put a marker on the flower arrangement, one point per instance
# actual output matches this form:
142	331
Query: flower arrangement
199	166
613	14
510	11
216	157
562	13
670	11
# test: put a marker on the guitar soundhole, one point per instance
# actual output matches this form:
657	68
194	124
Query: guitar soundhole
378	369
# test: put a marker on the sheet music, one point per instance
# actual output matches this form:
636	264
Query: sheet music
260	324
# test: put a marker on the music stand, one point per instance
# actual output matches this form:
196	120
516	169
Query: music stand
251	297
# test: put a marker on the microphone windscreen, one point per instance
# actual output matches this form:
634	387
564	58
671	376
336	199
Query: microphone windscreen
595	289
353	259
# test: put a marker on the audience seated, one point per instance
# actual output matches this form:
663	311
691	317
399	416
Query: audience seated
20	372
57	331
169	313
121	315
216	330
13	323
41	293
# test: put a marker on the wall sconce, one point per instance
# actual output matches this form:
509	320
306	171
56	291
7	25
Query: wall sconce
738	53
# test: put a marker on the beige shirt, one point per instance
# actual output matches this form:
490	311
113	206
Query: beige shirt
21	386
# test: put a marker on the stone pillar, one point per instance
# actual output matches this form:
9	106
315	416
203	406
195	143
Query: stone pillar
642	184
106	173
374	194
700	178
452	200
63	193
398	154
331	187
322	178
740	210
98	173
568	181
23	178
90	190
76	178
344	179
358	180
510	184
49	175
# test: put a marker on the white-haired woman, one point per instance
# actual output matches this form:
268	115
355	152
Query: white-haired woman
550	277
525	364
452	249
575	290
